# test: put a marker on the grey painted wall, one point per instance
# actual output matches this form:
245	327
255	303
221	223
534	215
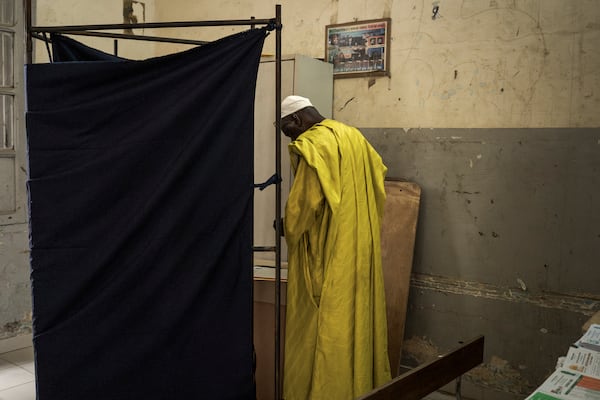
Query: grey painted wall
508	232
507	245
15	289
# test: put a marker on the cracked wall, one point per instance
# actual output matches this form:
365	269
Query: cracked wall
507	246
508	225
85	12
481	64
455	63
15	289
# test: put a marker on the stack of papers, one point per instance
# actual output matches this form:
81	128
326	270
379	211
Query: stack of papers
577	375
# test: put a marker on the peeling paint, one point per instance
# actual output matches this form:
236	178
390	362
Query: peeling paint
464	192
15	294
346	103
577	304
18	327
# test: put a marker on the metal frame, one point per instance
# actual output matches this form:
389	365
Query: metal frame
39	32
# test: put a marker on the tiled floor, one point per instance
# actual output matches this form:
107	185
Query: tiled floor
17	375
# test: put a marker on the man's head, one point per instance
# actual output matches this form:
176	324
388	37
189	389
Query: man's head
297	115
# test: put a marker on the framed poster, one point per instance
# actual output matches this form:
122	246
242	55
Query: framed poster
358	48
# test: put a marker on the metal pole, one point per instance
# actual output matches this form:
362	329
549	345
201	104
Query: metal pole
278	227
458	388
149	25
47	42
135	37
28	41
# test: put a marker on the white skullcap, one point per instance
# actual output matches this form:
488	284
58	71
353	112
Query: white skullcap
291	104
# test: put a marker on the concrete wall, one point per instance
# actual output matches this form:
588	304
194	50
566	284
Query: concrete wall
491	107
507	245
15	289
78	12
480	63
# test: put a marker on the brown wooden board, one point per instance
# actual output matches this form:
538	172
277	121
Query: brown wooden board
398	231
264	336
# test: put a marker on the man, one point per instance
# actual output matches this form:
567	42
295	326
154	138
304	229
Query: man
336	338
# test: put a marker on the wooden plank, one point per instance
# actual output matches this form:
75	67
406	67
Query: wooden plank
427	378
398	230
264	342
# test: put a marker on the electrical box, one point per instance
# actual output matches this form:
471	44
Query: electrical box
300	75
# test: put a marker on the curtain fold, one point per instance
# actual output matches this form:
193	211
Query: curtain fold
140	195
66	49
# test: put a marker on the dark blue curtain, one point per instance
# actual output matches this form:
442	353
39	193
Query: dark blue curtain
67	49
140	188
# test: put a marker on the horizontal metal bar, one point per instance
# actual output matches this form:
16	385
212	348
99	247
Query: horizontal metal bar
264	248
150	25
38	36
134	37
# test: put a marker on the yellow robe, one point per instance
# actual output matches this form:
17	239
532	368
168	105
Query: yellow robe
336	331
